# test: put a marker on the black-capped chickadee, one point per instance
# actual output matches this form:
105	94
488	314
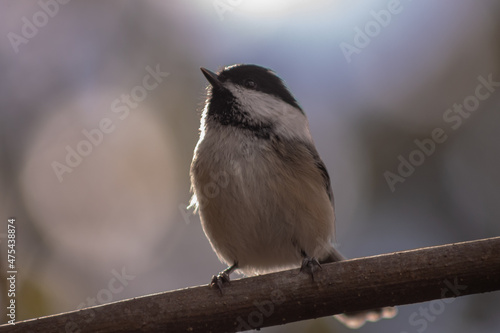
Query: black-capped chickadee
262	191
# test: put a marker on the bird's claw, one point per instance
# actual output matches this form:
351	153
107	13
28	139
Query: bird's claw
219	280
310	265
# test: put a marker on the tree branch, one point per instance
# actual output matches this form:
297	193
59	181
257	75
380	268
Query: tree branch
392	279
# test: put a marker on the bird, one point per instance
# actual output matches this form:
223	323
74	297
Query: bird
263	193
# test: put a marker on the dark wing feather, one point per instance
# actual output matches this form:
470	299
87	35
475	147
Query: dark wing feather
322	168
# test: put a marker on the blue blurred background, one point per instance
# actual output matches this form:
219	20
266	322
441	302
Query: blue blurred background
111	223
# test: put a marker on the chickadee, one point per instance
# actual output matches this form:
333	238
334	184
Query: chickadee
262	191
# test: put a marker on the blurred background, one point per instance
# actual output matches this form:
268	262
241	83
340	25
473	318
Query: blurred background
99	115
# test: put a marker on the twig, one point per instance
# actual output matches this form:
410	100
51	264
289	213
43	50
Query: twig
392	279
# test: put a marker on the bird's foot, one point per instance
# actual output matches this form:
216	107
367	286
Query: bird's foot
310	265
219	280
222	278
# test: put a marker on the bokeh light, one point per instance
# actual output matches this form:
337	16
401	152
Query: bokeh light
123	205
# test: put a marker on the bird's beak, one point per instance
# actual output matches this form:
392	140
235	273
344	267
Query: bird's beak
212	78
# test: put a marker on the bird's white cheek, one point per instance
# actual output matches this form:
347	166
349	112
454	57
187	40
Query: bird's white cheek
295	126
289	121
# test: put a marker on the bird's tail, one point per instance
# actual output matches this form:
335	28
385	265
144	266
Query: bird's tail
359	318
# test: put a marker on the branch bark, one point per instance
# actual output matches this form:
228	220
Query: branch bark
392	279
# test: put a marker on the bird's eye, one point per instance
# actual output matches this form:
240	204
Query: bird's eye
249	83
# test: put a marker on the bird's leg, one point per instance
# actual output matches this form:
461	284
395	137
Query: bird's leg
309	264
222	277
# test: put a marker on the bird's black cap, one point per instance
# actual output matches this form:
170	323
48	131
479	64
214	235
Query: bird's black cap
252	77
